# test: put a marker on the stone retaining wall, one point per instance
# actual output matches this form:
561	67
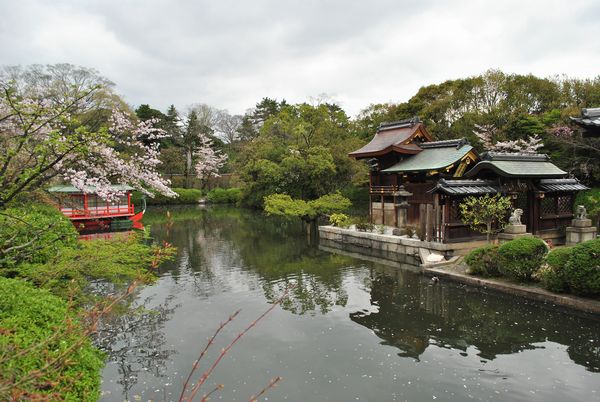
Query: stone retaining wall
395	247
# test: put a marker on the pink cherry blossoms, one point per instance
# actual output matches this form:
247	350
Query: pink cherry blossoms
42	140
135	165
208	160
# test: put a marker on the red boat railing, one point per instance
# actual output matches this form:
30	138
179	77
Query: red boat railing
107	211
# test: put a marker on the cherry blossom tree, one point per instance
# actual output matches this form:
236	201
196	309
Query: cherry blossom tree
47	134
208	160
487	135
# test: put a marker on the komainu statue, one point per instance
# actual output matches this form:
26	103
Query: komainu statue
515	217
581	212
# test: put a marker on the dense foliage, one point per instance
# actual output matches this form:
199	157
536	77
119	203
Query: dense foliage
224	195
483	261
38	329
68	273
582	270
340	220
552	275
590	199
284	205
519	259
184	196
33	234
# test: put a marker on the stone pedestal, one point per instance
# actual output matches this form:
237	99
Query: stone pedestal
513	231
581	230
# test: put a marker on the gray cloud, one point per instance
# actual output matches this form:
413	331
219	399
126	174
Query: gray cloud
230	54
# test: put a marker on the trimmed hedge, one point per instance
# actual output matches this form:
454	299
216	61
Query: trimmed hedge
185	196
582	270
224	195
522	257
484	261
30	320
552	274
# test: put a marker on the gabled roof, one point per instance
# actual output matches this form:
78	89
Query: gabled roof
435	155
465	187
589	118
517	165
88	189
394	137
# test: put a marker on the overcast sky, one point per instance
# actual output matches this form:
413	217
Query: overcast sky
230	54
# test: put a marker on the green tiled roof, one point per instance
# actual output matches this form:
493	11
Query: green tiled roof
431	158
89	189
517	165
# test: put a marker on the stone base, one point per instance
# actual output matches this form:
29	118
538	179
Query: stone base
515	229
581	223
504	237
576	235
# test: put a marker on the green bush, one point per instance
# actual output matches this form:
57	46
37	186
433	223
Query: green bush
551	275
118	260
185	196
362	224
224	196
521	257
590	199
483	261
33	234
582	270
38	328
340	220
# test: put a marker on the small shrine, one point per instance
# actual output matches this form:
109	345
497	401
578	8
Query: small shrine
415	181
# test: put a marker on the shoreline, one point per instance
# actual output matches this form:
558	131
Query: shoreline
453	272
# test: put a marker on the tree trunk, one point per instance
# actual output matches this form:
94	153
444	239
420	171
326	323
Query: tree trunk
188	167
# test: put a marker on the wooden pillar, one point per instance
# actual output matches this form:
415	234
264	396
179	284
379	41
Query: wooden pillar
429	222
382	211
85	203
129	208
422	218
438	218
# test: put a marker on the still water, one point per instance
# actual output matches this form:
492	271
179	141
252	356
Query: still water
351	330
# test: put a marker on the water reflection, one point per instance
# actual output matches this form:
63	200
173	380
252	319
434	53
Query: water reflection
414	313
354	323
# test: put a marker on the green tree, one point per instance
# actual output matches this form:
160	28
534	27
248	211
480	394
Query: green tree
308	211
486	214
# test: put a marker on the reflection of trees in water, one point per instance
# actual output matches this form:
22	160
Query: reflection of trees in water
414	313
135	342
278	250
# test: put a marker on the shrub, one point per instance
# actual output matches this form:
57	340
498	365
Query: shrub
33	234
591	200
551	275
224	196
483	261
37	328
339	220
521	257
582	270
185	196
362	224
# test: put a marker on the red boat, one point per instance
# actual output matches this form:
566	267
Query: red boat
88	211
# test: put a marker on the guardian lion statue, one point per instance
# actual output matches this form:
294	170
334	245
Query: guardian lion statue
581	212
515	217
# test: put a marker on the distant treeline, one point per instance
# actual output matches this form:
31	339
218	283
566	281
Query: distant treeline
302	149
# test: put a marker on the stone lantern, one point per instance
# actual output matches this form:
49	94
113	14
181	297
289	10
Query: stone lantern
401	206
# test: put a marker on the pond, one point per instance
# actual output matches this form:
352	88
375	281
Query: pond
350	330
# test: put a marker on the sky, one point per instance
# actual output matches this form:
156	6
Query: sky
231	54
